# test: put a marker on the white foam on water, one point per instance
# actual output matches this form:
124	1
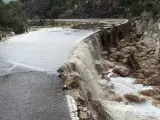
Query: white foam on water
142	110
126	85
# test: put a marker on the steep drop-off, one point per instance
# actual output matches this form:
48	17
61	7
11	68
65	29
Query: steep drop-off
110	76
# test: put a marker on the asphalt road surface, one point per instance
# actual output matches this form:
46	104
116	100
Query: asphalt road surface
29	86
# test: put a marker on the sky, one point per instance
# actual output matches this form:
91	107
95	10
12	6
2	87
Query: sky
7	1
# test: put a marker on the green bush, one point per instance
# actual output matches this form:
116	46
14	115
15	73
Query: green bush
12	16
136	9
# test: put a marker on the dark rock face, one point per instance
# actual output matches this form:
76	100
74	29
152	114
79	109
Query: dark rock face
35	8
99	8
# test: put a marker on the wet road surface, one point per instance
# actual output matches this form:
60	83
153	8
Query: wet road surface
29	86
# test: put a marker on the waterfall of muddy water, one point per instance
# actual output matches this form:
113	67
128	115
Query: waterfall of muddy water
82	62
29	86
83	58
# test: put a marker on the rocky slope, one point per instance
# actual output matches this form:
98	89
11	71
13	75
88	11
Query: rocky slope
119	78
93	9
89	8
110	8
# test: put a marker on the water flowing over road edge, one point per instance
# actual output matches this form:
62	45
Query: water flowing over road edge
80	71
85	70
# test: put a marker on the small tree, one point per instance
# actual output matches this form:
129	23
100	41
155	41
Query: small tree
12	16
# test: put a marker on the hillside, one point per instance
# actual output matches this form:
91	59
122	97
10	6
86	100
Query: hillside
89	8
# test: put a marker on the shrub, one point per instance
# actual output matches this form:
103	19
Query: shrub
136	9
12	16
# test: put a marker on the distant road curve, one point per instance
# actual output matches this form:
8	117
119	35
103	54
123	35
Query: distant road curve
90	20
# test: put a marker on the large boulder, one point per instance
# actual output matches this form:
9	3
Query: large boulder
99	67
156	97
109	64
134	98
114	56
116	69
149	92
123	71
71	80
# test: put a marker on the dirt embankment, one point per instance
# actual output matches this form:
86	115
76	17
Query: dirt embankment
87	66
5	33
114	69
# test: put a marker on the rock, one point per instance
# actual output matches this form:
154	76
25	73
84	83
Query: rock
140	76
114	56
124	61
106	77
134	98
126	50
110	64
71	80
145	33
112	60
123	40
65	87
116	69
114	75
149	92
159	26
12	33
105	66
80	108
83	115
89	113
113	50
117	99
142	54
104	53
158	67
121	54
154	80
133	49
124	72
148	72
105	57
155	35
157	97
152	61
142	43
99	67
85	109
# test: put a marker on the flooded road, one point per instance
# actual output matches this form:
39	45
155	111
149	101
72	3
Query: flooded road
29	86
47	48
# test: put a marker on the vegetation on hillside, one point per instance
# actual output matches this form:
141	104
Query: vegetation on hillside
89	8
47	8
12	16
136	7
